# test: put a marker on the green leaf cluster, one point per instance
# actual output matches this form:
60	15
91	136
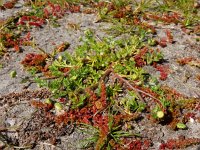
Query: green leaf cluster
88	64
131	103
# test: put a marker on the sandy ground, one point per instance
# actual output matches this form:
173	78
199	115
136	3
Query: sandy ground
14	95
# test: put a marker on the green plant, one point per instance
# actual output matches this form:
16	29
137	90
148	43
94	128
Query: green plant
87	65
181	126
185	7
142	6
102	86
131	103
107	134
13	74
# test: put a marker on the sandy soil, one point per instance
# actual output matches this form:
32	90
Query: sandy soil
24	122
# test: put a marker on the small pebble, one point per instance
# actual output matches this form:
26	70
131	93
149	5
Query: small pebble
18	5
10	121
191	120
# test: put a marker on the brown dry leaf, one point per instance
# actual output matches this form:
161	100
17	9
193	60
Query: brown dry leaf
198	77
62	47
197	30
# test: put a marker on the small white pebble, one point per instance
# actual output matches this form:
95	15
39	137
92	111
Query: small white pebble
11	122
191	120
